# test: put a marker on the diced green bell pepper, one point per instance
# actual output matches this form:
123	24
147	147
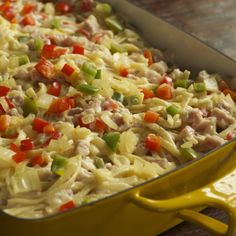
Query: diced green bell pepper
56	23
172	110
99	163
115	47
23	39
30	106
89	69
188	153
99	74
199	87
118	97
58	165
24	59
38	44
87	89
183	83
112	140
113	24
104	8
131	100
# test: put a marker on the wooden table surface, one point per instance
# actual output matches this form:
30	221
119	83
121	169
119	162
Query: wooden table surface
213	21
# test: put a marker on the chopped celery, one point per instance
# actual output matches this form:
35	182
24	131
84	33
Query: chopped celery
99	163
188	153
118	97
115	47
87	89
199	87
113	24
183	83
30	106
38	44
172	110
99	74
24	59
89	69
56	23
112	140
104	8
58	164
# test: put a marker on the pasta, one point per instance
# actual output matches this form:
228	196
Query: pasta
88	109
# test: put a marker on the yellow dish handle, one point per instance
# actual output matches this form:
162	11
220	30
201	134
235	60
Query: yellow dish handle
220	194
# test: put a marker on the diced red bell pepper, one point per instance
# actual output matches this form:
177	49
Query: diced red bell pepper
54	136
71	102
77	49
100	126
4	90
6	5
28	20
148	54
45	68
230	136
164	92
37	160
231	93
148	93
62	7
48	129
86	5
26	145
28	7
9	103
60	105
9	14
39	124
4	122
67	206
79	122
51	51
151	117
96	38
167	80
223	85
153	143
124	72
19	157
14	147
47	50
67	70
110	105
84	32
54	89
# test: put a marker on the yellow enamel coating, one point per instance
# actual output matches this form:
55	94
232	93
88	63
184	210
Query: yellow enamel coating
220	194
207	181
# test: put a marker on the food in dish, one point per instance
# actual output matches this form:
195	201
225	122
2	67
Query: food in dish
87	109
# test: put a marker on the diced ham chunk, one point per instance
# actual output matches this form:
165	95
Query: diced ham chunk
209	143
200	124
223	118
187	131
91	25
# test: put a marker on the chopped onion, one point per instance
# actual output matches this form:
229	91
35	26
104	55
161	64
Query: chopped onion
108	121
27	181
45	100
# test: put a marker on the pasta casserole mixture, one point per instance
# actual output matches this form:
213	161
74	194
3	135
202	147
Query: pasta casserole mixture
87	109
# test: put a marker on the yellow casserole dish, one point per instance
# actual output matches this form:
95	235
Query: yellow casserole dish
161	203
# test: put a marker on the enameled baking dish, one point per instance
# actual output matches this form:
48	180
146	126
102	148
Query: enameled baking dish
161	203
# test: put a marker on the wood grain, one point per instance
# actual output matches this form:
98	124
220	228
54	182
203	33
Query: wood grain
213	21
